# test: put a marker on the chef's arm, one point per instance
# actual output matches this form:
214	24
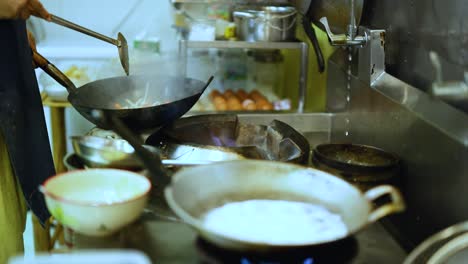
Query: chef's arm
23	9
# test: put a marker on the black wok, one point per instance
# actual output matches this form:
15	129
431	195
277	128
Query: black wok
168	97
141	102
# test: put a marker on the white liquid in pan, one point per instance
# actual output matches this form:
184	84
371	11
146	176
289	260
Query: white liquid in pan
275	222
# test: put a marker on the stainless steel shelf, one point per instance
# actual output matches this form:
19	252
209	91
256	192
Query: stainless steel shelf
243	45
184	45
233	2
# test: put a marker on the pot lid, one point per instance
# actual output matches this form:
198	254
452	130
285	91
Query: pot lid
245	14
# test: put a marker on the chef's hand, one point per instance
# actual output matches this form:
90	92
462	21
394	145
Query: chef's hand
32	41
23	9
32	44
38	60
35	8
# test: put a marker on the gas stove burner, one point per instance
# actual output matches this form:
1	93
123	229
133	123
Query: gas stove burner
342	251
273	141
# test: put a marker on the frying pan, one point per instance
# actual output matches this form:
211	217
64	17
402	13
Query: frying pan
192	192
141	102
196	190
365	166
353	157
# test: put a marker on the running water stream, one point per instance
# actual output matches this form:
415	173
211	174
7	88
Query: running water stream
348	89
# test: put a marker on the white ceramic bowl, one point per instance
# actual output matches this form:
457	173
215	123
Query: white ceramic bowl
96	202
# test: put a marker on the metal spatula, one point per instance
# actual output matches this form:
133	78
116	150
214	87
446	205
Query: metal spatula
120	42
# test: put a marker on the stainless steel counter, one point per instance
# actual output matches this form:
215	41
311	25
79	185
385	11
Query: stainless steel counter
170	242
166	242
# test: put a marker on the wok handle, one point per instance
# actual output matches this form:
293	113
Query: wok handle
53	72
208	83
151	161
310	32
395	205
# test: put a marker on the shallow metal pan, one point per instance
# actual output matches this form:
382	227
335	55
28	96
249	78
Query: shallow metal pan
196	190
193	191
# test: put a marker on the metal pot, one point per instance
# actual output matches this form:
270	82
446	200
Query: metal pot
245	24
363	166
276	24
196	190
271	23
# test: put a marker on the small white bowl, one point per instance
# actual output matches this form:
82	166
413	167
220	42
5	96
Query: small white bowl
96	202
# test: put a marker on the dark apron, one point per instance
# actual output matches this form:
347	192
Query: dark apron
22	121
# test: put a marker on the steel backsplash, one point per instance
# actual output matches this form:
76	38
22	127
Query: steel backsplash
430	136
416	27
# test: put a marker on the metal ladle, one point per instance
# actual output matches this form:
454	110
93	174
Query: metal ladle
120	42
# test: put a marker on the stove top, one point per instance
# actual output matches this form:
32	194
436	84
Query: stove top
323	254
166	242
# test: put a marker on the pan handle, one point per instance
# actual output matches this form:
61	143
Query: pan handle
152	161
310	32
395	205
53	72
208	83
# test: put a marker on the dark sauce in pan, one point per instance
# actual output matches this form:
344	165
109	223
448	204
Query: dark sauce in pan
357	155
